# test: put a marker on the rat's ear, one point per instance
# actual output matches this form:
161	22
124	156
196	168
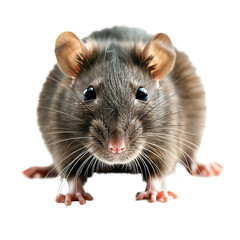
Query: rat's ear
159	56
71	53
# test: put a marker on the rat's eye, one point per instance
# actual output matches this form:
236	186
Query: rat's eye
89	94
142	94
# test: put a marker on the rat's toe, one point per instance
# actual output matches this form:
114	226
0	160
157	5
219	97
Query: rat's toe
68	199
153	197
60	198
162	196
142	195
80	198
87	196
216	168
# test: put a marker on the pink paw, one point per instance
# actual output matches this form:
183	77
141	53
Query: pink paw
81	197
207	170
38	172
153	196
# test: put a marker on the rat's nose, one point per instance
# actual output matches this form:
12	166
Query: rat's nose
117	145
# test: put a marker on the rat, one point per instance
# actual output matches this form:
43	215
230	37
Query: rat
121	101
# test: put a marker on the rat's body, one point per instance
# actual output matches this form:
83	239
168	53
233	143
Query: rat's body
123	101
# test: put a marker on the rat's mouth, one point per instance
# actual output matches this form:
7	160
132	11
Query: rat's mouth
115	157
114	145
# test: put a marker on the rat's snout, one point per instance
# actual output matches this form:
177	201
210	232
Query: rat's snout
112	144
117	145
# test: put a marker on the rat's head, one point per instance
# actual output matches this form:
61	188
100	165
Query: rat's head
116	84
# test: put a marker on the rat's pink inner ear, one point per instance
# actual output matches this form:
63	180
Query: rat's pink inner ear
72	54
66	48
159	56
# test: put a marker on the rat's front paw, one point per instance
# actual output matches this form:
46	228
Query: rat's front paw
153	196
81	197
40	172
206	170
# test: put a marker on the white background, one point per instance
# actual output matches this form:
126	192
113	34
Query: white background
206	208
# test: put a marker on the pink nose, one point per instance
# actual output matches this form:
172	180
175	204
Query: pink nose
117	145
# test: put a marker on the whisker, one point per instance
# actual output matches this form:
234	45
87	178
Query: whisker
98	166
170	114
159	87
179	125
147	169
187	74
139	166
67	139
56	128
79	171
55	166
58	76
144	167
181	150
94	165
74	95
91	163
186	145
172	154
161	158
138	77
68	149
173	136
65	169
93	115
146	156
135	166
60	83
174	129
77	160
63	132
163	117
164	100
184	153
172	95
52	109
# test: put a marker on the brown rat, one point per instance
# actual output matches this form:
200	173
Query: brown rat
121	100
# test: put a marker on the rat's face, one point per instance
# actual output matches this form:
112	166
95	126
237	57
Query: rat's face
117	96
116	99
